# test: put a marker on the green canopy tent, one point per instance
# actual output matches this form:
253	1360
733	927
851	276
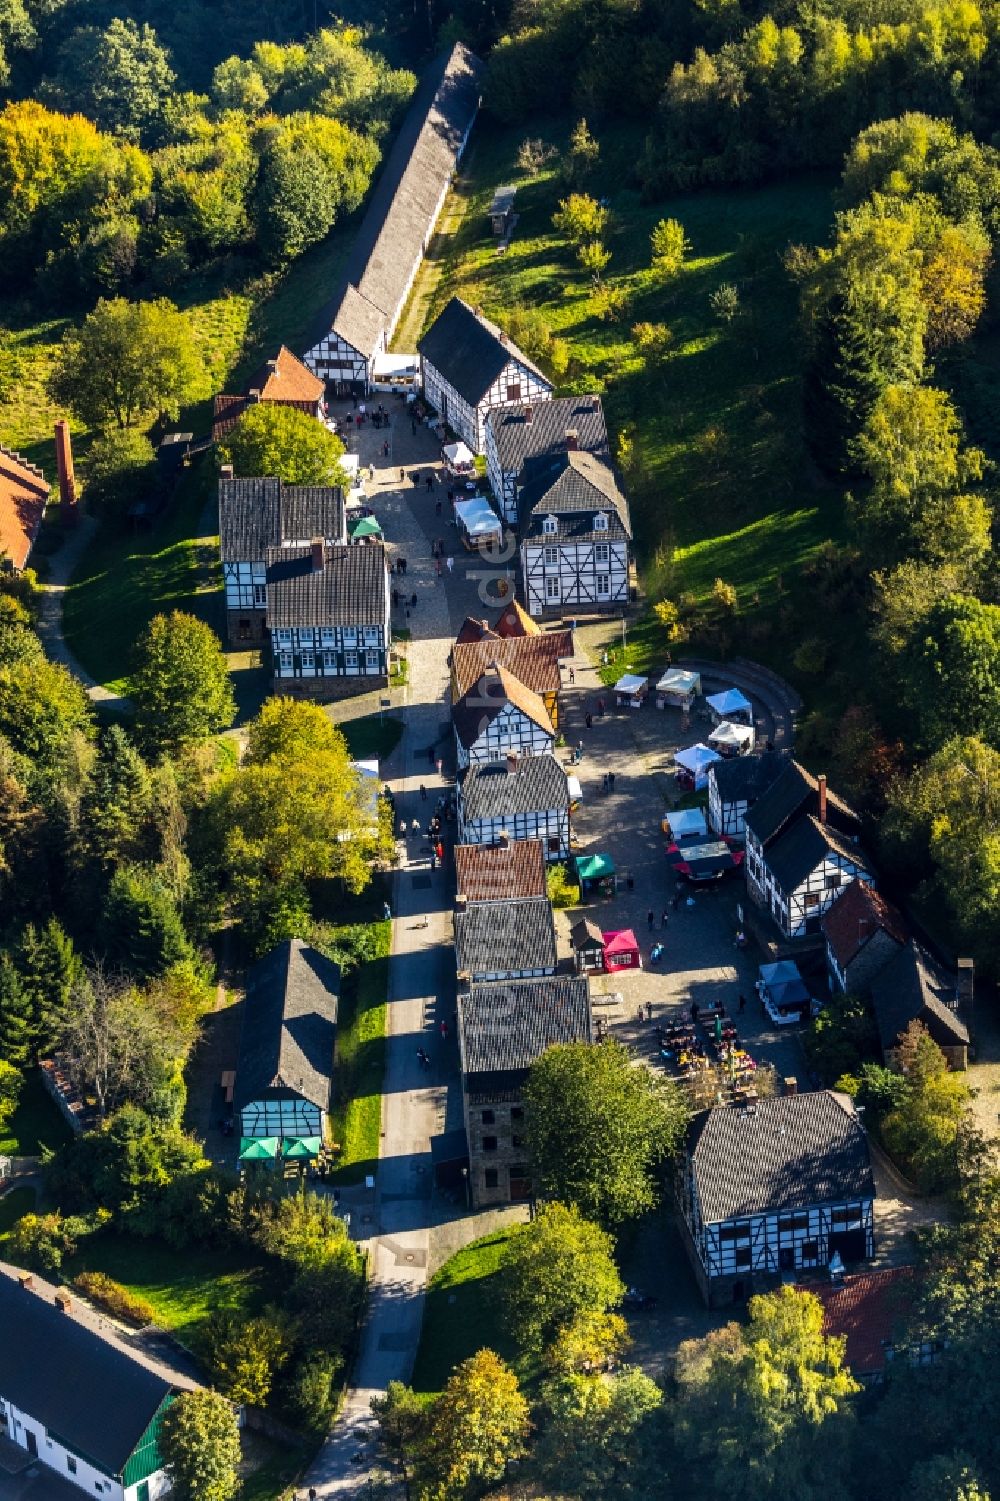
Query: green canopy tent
258	1148
594	868
301	1148
367	526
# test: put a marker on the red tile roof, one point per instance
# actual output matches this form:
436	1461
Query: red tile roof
500	872
23	498
475	630
868	1310
284	380
515	621
855	917
533	659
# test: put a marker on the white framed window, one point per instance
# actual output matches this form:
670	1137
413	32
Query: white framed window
329	661
603	586
550	526
371	661
552	588
551	556
308	661
350	635
260	595
371	635
283	637
327	636
351	660
602	552
600	522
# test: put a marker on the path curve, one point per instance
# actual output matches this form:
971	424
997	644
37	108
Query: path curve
62	567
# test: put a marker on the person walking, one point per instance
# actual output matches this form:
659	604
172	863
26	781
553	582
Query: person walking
437	567
429	482
451	564
588	720
413	428
444	1030
440	765
386	912
742	1006
437	508
676	899
664	917
600	708
572	676
611	781
385	449
651	919
423	793
402	476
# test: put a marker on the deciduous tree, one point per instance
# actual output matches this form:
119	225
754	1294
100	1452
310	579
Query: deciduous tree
479	1423
127	359
180	684
201	1447
669	245
554	1270
277	440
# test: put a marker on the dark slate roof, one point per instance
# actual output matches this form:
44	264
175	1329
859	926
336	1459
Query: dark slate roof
586	934
504	937
506	1026
469	351
519	436
350	588
257	514
795	791
289	1026
88	1391
743	779
805	845
572	487
500	872
498	791
404	202
789	1152
912	987
855	917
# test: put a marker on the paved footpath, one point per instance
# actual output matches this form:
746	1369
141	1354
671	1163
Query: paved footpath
410	1221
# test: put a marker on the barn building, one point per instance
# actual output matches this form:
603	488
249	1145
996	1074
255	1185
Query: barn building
284	381
24	495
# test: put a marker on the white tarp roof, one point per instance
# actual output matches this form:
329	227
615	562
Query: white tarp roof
477	516
399	365
458	453
728	733
573	787
687	821
631	683
677	680
729	701
349	462
697	759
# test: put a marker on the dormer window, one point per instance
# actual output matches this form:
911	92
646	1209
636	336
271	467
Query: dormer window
550	526
600	522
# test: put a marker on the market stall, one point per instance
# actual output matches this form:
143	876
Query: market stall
363	529
685	823
693	764
594	872
459	460
621	950
730	704
731	739
783	992
630	691
707	860
477	523
678	689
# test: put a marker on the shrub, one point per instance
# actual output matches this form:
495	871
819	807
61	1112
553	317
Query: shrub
40	1241
114	1299
562	890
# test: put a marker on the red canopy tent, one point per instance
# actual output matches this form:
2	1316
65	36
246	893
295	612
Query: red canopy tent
621	951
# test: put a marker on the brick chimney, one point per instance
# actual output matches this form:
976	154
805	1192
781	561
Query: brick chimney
64	1302
529	414
272	365
512	762
317	550
461	901
572	440
821	793
253	398
67	479
226	471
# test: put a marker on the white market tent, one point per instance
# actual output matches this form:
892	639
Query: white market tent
574	788
630	685
349	462
477	521
732	739
459	457
729	704
393	371
686	823
678	688
696	760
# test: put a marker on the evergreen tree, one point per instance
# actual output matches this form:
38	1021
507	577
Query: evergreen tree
50	967
142	926
16	1032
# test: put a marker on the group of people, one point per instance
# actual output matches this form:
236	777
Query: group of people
379	416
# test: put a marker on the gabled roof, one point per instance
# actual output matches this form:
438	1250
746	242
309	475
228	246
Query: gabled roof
572	488
504	937
496	790
257	514
528	430
803	846
855	918
869	1311
500	872
795	791
286	378
912	987
504	1027
404	202
514	620
23	498
789	1152
289	1026
534	660
744	779
350	589
488	697
470	352
473	629
586	934
82	1385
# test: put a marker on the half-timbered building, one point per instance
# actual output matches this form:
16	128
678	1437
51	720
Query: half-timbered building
357	325
258	515
523	797
773	1188
802	851
498	717
470	367
511	940
863	933
534	659
734	786
575	535
328	616
912	987
502	1030
284	381
517	434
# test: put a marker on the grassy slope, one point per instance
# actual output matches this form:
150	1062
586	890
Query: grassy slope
36	1122
462	1315
371	737
356	1119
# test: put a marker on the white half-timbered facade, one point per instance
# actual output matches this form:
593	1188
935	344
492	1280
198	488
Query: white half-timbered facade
470	367
517	434
398	224
733	788
499	717
774	1188
519	798
575	536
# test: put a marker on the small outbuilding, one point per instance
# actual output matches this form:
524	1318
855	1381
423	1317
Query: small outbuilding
621	950
630	691
678	689
502	210
730	704
587	942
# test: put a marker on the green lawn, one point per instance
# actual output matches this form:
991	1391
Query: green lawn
36	1123
372	737
360	1066
15	1204
184	1287
462	1314
126	577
